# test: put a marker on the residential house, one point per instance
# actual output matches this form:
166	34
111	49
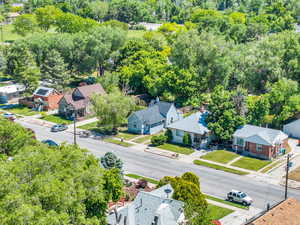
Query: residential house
11	92
46	98
151	208
284	213
152	120
292	129
195	126
259	142
79	100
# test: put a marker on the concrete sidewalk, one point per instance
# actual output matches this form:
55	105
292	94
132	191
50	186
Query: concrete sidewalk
240	216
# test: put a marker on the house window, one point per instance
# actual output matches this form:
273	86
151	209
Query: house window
259	148
134	125
179	133
240	141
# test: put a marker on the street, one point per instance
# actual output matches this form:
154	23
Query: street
213	182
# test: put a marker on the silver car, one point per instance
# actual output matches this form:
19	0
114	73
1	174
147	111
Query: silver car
240	197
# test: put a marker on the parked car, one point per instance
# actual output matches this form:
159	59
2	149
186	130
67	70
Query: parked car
59	127
240	197
10	116
50	143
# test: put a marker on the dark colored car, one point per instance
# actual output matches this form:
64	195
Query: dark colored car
59	127
50	143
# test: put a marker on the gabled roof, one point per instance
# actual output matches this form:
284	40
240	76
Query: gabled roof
285	213
293	123
43	91
150	115
260	135
147	205
194	123
164	107
88	90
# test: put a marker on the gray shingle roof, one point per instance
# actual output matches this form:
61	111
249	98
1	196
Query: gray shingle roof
150	115
147	205
194	123
164	107
260	135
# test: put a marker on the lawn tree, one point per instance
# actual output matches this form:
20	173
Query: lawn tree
46	17
113	184
112	109
187	189
102	42
223	118
54	70
111	161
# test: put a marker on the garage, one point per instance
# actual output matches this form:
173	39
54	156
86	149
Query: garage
293	129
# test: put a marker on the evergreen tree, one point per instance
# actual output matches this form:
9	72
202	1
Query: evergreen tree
54	70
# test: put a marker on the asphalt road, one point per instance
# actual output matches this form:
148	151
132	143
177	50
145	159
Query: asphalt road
212	181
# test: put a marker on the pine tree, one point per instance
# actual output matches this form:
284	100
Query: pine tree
54	70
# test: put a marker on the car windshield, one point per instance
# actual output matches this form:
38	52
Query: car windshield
243	195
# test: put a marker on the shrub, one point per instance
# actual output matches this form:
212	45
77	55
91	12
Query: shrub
187	140
142	184
158	140
138	27
169	135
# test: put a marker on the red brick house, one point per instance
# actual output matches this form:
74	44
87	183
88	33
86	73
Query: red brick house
45	98
259	142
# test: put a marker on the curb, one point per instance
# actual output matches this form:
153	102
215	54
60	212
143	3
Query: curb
160	154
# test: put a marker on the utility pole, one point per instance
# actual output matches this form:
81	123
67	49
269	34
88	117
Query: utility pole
75	115
287	175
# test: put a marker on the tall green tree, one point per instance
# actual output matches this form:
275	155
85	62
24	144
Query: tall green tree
223	118
25	24
111	161
112	109
54	70
47	16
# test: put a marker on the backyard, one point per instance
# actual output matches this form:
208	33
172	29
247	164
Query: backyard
220	156
176	148
251	163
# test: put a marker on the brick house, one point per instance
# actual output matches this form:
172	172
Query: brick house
259	142
45	99
79	99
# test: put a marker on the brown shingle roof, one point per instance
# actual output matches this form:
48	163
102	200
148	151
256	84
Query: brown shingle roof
286	213
88	90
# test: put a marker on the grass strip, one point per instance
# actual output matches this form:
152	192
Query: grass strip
217	167
217	212
268	168
56	119
114	141
142	139
135	176
226	202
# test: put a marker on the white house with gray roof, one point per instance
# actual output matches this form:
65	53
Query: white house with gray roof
194	125
151	208
259	142
293	129
152	120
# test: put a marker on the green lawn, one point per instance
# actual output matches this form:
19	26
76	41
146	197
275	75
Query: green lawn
220	156
8	34
126	136
176	148
251	163
217	212
56	119
142	139
22	110
114	141
217	167
226	202
135	176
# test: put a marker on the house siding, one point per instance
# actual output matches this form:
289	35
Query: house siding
156	129
62	107
293	129
134	125
172	116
